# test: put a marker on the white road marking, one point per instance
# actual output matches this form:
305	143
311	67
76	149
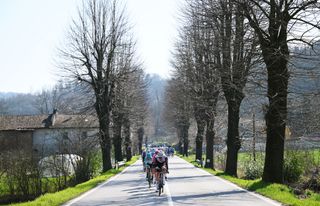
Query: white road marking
273	202
169	198
96	188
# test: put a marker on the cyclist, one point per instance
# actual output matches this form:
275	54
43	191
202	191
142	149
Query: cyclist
154	153
159	162
143	156
148	162
171	151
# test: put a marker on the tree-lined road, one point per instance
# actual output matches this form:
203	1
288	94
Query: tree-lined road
186	185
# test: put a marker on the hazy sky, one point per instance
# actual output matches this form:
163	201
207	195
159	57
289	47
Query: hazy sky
32	30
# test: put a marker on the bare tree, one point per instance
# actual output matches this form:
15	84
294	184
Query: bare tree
128	104
277	23
140	109
233	49
177	111
63	97
203	76
220	44
42	102
96	40
194	56
135	104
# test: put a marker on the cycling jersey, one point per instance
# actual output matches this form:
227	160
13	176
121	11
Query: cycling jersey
160	161
148	159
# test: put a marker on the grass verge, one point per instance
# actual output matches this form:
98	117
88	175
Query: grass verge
278	192
58	198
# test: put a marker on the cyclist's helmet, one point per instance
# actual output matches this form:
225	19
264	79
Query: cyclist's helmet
160	157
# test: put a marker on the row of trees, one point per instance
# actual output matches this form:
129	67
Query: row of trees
220	44
100	55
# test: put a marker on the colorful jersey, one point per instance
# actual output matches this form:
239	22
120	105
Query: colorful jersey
148	158
161	161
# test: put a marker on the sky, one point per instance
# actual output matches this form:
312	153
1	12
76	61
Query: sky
31	31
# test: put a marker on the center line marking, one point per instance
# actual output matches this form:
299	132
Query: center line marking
170	202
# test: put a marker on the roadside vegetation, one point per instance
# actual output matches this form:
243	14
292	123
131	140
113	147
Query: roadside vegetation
302	183
58	198
24	177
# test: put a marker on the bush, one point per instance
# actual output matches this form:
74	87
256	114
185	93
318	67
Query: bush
88	167
293	166
220	161
96	162
312	181
21	180
253	170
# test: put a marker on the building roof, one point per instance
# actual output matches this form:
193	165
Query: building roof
11	122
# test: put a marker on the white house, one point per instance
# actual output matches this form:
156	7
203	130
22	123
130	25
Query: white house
43	135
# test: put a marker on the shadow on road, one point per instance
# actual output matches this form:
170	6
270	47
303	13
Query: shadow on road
187	177
205	195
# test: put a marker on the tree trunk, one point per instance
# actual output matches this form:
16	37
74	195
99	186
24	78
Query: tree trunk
140	139
127	138
229	81
275	54
117	141
117	118
199	139
146	141
233	139
210	142
105	142
276	122
180	138
185	132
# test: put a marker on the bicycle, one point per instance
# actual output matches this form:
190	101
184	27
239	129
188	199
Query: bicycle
149	175
161	180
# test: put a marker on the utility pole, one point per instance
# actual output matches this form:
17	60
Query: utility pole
254	136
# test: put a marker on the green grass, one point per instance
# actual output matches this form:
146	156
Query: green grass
315	155
3	186
58	198
279	192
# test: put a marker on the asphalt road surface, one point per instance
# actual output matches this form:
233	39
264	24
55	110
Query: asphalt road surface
186	185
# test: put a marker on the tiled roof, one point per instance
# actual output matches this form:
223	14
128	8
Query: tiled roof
36	121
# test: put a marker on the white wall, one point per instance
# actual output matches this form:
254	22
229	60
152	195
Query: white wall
52	141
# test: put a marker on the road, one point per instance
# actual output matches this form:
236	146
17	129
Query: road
186	185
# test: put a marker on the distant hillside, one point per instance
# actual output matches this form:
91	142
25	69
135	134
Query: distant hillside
67	98
7	94
17	104
156	89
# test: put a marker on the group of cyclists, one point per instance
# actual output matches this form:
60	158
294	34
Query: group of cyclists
155	162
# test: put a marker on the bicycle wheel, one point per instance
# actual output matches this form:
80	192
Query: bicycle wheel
160	184
149	177
162	180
